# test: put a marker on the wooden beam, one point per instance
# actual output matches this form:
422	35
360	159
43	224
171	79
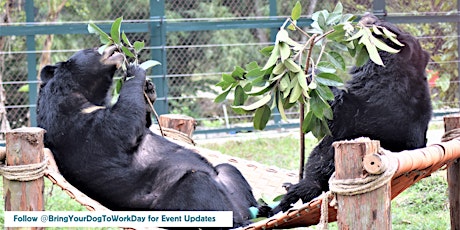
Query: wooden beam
24	146
453	176
370	210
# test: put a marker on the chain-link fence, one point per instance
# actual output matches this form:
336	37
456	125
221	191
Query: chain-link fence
202	39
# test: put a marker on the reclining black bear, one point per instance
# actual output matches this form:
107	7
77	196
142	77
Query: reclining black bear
107	151
388	103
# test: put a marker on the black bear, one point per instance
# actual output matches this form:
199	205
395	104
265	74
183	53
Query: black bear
388	103
108	152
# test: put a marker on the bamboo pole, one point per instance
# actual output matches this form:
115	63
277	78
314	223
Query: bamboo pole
24	146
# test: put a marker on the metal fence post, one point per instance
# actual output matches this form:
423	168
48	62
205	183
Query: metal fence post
378	8
158	42
31	65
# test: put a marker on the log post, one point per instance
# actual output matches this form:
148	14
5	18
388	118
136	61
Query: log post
370	210
453	176
182	123
24	146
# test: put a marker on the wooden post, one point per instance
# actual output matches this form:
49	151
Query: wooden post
182	123
364	211
24	146
453	177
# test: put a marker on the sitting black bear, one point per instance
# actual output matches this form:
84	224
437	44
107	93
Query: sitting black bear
108	152
388	103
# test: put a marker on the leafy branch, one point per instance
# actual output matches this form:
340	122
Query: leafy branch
128	49
284	81
121	41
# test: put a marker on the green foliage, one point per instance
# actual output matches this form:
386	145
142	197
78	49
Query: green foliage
124	46
284	80
121	42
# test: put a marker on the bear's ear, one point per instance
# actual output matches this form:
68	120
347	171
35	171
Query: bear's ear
47	73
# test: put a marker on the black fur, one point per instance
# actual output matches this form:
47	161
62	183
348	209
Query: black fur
391	104
109	154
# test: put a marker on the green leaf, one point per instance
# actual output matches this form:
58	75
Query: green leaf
302	80
228	78
308	122
279	69
280	106
256	104
295	94
261	117
24	89
273	57
282	35
292	25
292	66
276	77
266	51
149	64
390	35
336	59
115	30
338	8
362	56
333	18
240	96
118	85
338	34
238	73
317	105
357	35
325	92
102	48
284	84
125	39
285	51
257	91
326	67
127	52
221	97
296	11
381	45
138	46
322	19
252	65
255	73
329	79
94	29
224	85
376	30
371	50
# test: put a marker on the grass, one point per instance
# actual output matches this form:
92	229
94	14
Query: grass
422	206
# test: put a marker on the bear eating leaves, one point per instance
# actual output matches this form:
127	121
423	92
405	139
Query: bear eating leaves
388	103
107	151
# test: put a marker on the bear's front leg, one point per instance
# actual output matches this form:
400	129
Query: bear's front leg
129	112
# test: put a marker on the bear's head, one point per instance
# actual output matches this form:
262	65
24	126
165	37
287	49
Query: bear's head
87	72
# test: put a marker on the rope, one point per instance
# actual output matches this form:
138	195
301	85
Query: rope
356	186
324	218
28	172
450	135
